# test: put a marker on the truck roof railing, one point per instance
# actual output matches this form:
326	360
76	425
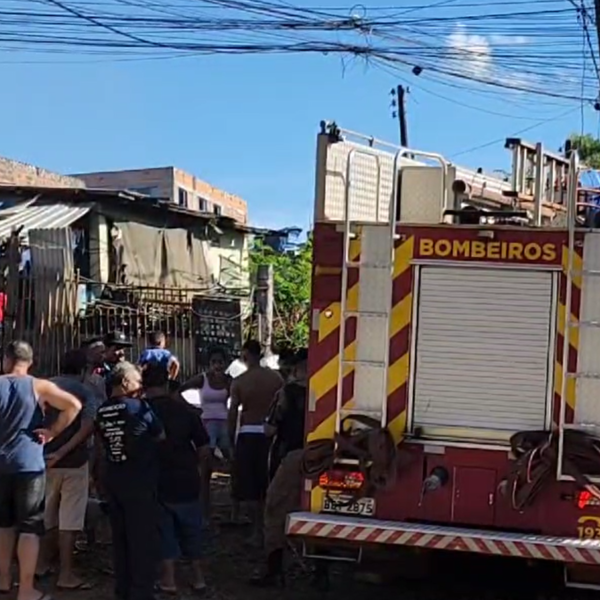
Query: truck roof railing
539	184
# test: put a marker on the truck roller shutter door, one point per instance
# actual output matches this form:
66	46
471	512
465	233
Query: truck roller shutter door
482	351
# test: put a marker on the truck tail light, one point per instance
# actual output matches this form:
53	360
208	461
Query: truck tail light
585	498
342	480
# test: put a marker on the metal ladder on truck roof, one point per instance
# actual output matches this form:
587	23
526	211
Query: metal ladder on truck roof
376	265
537	177
570	323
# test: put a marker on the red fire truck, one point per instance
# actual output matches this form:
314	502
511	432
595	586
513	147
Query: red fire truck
461	313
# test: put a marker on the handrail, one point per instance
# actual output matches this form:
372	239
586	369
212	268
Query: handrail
345	260
573	182
433	156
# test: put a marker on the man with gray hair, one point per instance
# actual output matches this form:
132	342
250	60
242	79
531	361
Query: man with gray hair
127	431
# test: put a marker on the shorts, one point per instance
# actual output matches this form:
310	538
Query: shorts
250	466
180	530
22	498
67	492
218	432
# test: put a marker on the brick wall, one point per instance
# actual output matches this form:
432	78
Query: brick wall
16	173
231	205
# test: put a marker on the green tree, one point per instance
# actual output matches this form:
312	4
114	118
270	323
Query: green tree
291	279
589	149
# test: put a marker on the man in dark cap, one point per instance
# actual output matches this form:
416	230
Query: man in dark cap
115	344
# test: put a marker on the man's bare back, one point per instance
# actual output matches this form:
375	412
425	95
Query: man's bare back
254	391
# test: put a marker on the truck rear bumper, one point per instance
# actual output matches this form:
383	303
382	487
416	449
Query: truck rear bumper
360	531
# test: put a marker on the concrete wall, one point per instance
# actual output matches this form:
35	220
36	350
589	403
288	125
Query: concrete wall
166	182
228	260
153	182
13	172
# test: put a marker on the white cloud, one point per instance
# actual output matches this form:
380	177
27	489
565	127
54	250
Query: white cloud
471	53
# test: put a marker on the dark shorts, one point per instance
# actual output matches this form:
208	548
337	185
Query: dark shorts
181	530
22	502
250	467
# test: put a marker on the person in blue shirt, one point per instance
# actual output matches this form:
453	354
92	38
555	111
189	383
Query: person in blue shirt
128	431
157	353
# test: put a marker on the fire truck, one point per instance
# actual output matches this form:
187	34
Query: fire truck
461	313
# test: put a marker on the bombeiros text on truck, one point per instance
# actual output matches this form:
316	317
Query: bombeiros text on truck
454	357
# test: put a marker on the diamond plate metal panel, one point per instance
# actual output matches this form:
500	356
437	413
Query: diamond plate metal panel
421	195
375	271
587	409
375	290
371	335
369	387
371	181
376	246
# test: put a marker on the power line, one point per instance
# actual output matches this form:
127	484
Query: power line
532	49
514	134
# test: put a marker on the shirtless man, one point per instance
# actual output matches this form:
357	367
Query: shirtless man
253	391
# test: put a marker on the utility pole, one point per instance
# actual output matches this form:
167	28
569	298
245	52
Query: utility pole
265	302
399	103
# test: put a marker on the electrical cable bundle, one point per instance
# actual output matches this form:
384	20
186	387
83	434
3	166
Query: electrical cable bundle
502	44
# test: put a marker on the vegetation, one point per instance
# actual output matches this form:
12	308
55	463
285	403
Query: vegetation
291	278
589	149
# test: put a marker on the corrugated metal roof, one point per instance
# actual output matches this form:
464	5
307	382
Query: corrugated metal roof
49	216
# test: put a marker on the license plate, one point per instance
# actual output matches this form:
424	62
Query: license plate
364	507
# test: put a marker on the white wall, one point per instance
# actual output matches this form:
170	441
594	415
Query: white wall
228	260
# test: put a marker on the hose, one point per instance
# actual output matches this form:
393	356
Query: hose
537	462
373	448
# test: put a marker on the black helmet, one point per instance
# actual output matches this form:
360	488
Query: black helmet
118	339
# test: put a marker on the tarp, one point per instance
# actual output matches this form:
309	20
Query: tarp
154	257
590	179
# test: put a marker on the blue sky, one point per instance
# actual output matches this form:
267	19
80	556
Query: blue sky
248	123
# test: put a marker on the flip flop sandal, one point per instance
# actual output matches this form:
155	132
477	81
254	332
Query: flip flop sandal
83	586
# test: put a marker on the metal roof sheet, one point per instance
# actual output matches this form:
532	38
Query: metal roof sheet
49	216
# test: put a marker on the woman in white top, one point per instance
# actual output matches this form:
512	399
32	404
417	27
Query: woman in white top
214	395
214	385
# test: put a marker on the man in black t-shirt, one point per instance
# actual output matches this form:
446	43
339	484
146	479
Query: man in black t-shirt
185	448
128	438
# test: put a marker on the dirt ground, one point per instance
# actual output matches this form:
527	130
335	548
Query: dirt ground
230	561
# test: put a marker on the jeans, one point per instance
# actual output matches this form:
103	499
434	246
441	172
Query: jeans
218	432
181	530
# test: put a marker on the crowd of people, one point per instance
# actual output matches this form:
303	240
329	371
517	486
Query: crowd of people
122	436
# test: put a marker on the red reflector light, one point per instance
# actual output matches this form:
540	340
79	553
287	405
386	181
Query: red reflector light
342	480
585	498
